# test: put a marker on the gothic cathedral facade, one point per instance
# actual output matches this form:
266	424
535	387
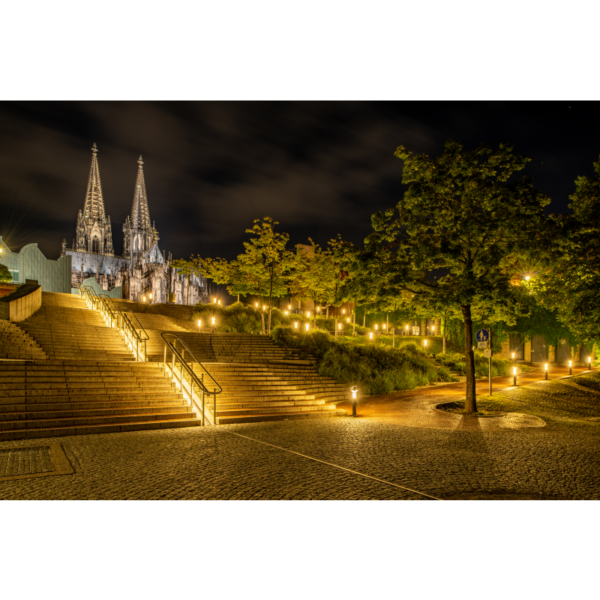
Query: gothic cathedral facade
143	271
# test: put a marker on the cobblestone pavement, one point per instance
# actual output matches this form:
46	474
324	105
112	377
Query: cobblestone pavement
204	463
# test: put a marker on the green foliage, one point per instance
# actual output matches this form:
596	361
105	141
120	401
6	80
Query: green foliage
5	276
456	362
374	369
237	318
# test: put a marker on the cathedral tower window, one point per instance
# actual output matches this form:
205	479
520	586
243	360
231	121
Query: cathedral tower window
96	245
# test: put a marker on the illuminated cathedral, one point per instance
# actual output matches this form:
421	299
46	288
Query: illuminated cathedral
143	270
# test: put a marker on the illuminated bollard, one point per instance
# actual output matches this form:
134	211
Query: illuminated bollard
570	367
354	391
371	335
425	344
590	362
213	324
514	376
307	326
546	371
296	324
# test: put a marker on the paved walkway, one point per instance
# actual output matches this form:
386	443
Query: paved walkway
417	408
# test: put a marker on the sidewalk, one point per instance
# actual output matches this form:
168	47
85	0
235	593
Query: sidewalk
417	408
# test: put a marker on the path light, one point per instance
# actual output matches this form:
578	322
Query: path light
215	300
213	324
376	326
150	295
348	319
570	367
371	335
527	278
285	312
289	306
343	311
384	325
546	370
264	307
256	305
354	391
308	313
513	356
432	329
144	299
514	376
425	344
199	322
407	330
296	324
307	326
219	302
340	326
590	361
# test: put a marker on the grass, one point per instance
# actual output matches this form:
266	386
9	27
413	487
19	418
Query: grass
563	404
374	368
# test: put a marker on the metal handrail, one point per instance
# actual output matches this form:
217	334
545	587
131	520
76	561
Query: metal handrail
172	345
141	327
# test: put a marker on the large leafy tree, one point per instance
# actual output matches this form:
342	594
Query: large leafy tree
458	228
5	276
570	283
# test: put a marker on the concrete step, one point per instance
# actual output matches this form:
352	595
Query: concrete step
230	420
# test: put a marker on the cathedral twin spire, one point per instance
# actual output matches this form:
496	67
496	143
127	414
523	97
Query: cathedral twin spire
93	227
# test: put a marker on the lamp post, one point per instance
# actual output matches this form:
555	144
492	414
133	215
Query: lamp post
514	376
590	362
570	367
546	371
354	391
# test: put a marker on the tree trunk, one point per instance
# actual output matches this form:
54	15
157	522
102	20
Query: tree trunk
444	324
394	330
365	318
335	325
387	321
238	298
271	295
262	316
354	321
327	312
470	402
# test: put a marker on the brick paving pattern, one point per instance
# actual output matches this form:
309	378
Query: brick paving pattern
204	463
25	461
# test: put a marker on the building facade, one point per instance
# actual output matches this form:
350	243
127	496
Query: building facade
143	271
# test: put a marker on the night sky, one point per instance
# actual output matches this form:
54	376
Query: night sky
319	168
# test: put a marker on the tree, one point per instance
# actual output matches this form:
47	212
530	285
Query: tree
5	276
266	262
570	285
458	227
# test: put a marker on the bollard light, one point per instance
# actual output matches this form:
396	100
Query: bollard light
219	303
285	312
144	299
199	322
256	305
339	326
546	371
308	313
425	344
384	325
150	296
348	319
264	307
570	367
527	278
215	300
513	356
515	376
371	335
307	326
289	306
376	326
590	361
213	320
354	391
296	324
432	329
343	311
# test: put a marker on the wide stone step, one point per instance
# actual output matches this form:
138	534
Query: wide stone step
143	396
90	429
230	420
74	405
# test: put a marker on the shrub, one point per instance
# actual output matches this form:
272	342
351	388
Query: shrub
375	369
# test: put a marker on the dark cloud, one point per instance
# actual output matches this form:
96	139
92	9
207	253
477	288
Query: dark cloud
320	168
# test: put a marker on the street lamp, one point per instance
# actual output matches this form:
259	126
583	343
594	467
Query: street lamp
570	367
285	312
354	391
514	376
546	371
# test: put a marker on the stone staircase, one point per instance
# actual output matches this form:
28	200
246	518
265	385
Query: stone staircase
16	344
268	392
66	328
49	398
